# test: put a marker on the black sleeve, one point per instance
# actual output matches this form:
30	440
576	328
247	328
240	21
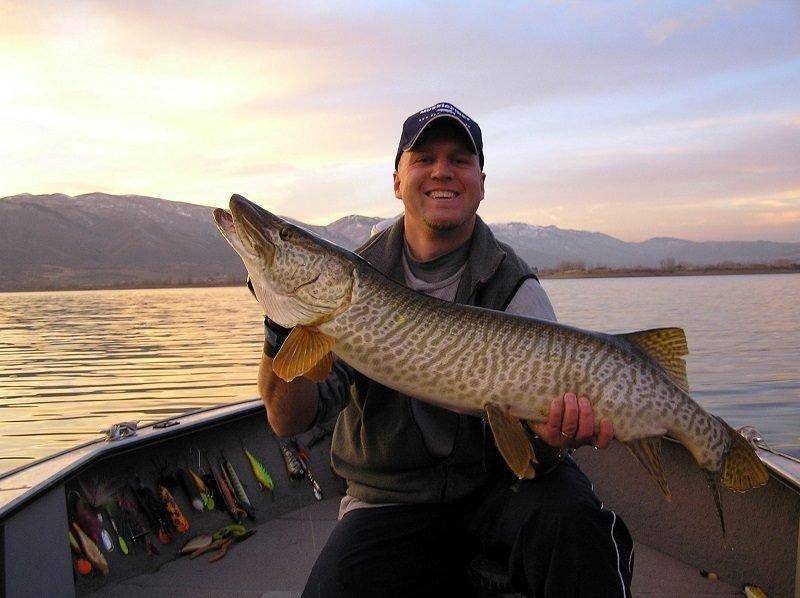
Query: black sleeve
334	392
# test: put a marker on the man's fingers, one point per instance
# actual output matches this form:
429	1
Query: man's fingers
606	433
585	422
553	427
550	431
569	424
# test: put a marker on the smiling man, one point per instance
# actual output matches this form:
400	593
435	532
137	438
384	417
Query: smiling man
426	487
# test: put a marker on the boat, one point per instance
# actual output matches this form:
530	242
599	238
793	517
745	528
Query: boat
679	546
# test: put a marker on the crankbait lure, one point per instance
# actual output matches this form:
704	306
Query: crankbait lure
259	471
237	486
192	492
179	521
227	494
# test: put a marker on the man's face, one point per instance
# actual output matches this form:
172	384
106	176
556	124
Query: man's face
440	182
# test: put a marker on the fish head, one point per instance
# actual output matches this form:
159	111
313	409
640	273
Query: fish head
298	278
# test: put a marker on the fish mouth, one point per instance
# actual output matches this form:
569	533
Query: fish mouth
227	227
224	222
252	224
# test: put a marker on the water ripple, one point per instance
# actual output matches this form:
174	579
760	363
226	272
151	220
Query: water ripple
73	363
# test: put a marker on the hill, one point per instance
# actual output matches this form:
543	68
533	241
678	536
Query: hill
98	240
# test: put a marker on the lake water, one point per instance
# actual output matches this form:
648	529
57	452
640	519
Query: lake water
73	363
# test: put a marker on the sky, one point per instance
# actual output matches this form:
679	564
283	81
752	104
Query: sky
632	118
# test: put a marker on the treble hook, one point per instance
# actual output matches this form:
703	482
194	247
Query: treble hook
199	466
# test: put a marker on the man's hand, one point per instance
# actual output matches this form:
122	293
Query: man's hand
570	424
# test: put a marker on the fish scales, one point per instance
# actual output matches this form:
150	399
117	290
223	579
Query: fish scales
415	344
473	360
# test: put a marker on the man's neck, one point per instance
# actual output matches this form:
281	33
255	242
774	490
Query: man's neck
427	244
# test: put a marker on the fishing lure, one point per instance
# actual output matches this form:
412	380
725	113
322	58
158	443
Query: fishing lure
133	527
91	550
191	490
105	537
296	458
179	521
82	566
123	546
73	543
152	509
203	482
83	515
237	486
227	494
259	472
293	465
205	492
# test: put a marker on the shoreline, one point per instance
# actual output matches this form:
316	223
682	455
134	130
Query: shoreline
644	272
543	274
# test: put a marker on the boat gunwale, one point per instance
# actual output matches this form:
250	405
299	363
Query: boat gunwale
785	468
106	449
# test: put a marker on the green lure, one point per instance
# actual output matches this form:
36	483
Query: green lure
123	546
260	472
205	493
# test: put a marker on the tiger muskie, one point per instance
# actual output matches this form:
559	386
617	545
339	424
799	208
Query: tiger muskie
477	361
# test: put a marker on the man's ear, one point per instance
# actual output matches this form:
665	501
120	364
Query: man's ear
396	185
483	184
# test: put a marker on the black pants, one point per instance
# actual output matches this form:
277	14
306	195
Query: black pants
553	533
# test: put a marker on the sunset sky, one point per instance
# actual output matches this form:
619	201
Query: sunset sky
632	118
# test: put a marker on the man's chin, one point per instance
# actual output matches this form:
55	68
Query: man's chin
443	224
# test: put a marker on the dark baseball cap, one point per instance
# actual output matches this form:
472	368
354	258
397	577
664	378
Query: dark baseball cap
418	122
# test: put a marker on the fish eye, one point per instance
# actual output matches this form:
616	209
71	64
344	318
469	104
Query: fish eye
283	234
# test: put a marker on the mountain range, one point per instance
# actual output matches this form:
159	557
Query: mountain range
99	240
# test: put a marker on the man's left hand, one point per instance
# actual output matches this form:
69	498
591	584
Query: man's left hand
571	424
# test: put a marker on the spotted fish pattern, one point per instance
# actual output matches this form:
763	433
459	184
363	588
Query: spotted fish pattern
461	357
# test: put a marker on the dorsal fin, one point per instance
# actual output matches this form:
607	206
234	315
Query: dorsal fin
666	346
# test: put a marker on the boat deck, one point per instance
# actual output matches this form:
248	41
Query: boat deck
276	561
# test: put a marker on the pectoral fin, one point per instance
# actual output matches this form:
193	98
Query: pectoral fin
511	441
319	372
306	351
648	452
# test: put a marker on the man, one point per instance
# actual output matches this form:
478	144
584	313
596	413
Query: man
426	488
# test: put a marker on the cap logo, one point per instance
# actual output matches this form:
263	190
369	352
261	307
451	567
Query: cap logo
441	108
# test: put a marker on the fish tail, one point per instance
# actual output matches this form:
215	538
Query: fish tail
742	469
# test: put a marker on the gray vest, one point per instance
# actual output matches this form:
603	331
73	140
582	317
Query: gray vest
377	446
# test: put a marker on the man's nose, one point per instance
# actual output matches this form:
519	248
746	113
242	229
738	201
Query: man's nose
442	169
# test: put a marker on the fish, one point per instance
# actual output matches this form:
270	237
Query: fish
505	368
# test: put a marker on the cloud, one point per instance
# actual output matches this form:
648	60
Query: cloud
696	16
582	107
